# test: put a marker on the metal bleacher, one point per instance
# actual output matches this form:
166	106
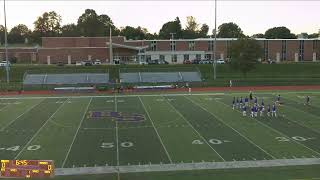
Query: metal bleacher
76	78
159	77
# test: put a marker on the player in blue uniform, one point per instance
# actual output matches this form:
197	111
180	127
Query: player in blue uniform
268	110
246	101
256	111
241	102
244	111
274	111
252	111
261	110
233	103
237	105
307	101
255	101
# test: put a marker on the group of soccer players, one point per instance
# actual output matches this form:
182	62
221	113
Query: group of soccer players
254	107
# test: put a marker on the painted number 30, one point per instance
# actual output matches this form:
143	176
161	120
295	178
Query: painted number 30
111	145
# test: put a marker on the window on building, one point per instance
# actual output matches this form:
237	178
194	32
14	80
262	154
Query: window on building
172	45
208	56
186	57
301	50
154	46
210	45
198	56
174	58
284	50
191	45
162	58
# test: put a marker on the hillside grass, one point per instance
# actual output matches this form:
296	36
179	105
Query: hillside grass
264	74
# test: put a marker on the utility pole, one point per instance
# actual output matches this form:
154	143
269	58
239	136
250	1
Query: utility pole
6	40
110	46
215	41
172	35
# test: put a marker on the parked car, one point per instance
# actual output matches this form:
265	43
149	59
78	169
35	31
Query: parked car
205	62
142	63
220	61
4	63
187	62
196	61
60	63
97	62
79	63
87	63
162	62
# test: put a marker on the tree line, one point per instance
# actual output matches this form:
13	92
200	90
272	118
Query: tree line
91	24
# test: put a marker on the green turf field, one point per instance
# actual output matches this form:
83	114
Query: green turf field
88	131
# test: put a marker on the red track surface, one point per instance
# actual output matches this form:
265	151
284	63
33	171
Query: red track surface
204	89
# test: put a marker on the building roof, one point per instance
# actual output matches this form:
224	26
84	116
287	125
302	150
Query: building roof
128	47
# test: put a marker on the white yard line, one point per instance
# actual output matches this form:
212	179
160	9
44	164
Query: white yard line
117	137
117	133
278	132
231	128
75	135
302	125
29	109
155	129
1	109
39	130
194	129
292	107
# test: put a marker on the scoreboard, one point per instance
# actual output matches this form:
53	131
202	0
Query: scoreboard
27	169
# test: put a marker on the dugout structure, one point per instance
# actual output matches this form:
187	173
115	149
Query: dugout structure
65	81
159	75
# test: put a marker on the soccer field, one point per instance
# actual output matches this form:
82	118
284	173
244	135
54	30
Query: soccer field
89	131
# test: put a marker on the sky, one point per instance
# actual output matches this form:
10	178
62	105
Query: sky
252	16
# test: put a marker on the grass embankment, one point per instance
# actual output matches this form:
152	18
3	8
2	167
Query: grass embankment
264	74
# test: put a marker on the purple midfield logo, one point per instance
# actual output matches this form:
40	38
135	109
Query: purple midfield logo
117	116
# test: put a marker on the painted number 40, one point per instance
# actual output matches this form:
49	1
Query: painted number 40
296	138
17	148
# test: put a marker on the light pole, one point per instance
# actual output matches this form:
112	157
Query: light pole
6	41
110	43
215	41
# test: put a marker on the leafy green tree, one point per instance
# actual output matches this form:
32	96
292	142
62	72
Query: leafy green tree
19	34
192	24
245	53
171	27
229	30
133	33
91	24
193	31
49	24
1	34
106	22
259	35
279	33
203	31
70	30
313	35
